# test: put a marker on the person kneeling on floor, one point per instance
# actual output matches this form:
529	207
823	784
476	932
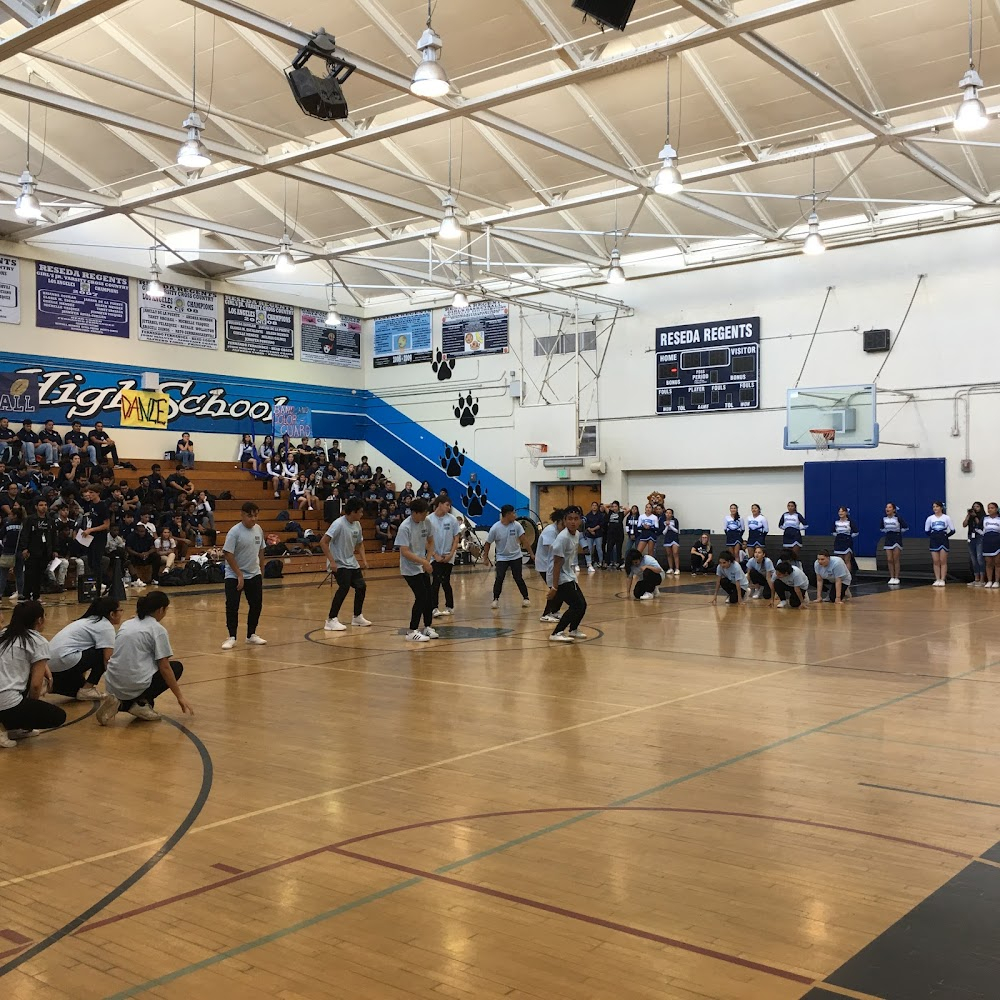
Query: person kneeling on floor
832	570
648	571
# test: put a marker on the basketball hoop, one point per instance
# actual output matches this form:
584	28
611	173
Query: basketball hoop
535	451
823	437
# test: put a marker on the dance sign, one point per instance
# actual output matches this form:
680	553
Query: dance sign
145	408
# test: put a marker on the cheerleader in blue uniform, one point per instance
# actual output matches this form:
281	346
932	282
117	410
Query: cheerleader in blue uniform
844	533
991	546
793	526
733	528
757	528
939	527
649	528
672	541
893	527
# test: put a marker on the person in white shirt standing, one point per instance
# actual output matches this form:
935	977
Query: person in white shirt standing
562	579
543	561
413	540
508	535
344	547
244	549
445	530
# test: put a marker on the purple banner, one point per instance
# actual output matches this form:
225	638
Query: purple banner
69	298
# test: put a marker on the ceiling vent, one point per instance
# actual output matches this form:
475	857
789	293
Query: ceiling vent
203	255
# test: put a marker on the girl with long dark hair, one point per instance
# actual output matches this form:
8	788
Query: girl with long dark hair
974	518
79	653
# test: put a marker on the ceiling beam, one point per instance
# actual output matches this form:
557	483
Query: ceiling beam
23	12
58	24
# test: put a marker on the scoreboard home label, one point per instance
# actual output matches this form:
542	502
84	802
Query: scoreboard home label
712	366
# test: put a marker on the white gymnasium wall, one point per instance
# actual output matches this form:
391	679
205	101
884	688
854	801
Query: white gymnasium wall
945	345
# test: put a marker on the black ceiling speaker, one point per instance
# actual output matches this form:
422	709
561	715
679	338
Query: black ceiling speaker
320	96
877	341
610	13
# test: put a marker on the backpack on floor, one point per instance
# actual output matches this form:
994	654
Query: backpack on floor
278	549
215	573
282	515
294	526
194	573
273	568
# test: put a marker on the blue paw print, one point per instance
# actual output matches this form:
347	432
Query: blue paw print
453	459
442	367
474	499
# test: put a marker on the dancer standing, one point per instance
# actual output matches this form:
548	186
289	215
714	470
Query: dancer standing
892	528
244	552
344	547
757	528
445	533
844	533
940	528
672	541
413	540
793	527
991	546
614	539
733	528
562	580
648	528
508	535
973	521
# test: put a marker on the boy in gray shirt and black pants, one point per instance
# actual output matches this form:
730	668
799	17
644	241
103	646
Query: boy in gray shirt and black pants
244	574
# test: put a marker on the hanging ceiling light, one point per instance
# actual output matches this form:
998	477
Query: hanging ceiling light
429	78
284	262
27	206
154	287
193	155
460	300
814	241
616	273
449	228
668	178
971	114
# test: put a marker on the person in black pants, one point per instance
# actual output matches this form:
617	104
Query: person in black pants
37	547
614	538
104	445
413	540
562	579
97	521
344	548
244	552
80	651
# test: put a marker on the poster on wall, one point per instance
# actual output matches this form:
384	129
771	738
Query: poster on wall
255	327
71	298
10	290
329	345
145	408
482	328
184	317
295	421
18	394
402	339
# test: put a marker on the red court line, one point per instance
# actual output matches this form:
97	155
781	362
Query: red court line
560	911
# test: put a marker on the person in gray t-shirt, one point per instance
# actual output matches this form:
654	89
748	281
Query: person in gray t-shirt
243	549
344	548
562	579
508	536
445	532
413	541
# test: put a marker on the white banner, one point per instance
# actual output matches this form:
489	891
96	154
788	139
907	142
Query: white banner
10	290
184	317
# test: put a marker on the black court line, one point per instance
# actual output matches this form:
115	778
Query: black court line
119	890
933	795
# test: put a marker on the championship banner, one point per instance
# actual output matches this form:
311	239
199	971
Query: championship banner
295	421
18	393
10	290
145	408
81	301
183	317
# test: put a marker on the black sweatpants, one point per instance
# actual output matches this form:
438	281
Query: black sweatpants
95	555
253	588
31	714
731	589
156	686
698	564
758	578
552	604
576	603
613	546
786	593
346	579
441	579
646	584
423	600
89	670
516	571
34	573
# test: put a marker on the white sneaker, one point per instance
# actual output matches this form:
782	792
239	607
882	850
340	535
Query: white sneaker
782	604
975	583
805	599
360	621
256	640
755	595
560	637
893	581
88	694
548	618
144	712
577	633
333	625
677	572
996	586
108	710
6	741
494	604
417	636
576	569
590	569
448	611
938	583
435	613
230	643
430	633
526	603
646	597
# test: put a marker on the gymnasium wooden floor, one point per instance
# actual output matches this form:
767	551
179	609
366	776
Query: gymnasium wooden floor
697	802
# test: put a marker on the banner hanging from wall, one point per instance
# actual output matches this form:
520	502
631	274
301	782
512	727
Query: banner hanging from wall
184	317
402	339
145	408
80	301
329	345
10	290
256	327
18	394
482	328
295	421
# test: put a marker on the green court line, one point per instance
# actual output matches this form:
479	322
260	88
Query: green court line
527	838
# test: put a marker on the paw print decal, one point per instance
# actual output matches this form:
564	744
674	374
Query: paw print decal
442	366
474	499
467	410
453	459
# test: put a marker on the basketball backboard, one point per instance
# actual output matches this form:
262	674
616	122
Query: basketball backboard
848	410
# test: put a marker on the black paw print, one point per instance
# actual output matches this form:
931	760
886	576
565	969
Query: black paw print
467	410
453	459
442	366
474	499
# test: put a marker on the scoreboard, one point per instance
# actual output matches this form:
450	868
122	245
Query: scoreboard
711	366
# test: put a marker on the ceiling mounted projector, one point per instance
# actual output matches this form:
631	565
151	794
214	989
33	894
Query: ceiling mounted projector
609	13
320	96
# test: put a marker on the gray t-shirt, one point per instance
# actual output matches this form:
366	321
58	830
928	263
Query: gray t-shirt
796	578
543	550
140	643
836	570
443	533
505	537
734	572
15	667
69	643
344	537
566	545
415	537
245	544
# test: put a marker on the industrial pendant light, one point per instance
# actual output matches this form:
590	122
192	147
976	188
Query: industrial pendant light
616	273
154	287
284	262
971	113
449	229
193	155
429	78
27	206
668	178
460	300
332	316
813	243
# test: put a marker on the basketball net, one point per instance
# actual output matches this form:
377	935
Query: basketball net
535	452
823	437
